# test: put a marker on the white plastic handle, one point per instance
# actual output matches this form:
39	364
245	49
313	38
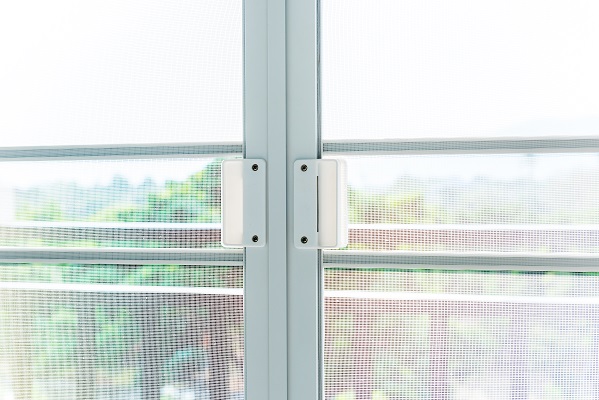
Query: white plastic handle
320	204
243	203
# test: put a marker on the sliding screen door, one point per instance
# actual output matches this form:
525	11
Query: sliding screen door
115	117
471	134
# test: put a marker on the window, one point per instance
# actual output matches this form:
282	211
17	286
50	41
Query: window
470	134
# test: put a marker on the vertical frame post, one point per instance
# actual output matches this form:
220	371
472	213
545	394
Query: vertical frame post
265	137
304	271
283	288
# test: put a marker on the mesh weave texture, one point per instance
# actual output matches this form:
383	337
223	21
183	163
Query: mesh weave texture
121	332
460	335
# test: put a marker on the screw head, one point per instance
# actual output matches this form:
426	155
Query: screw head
255	238
255	167
304	168
304	240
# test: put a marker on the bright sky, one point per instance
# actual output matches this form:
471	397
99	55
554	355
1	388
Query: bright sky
459	68
25	174
120	71
365	172
149	71
152	71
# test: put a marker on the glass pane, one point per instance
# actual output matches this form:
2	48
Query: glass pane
462	68
112	332
114	72
463	335
542	203
115	203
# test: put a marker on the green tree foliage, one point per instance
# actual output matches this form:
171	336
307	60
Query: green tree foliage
117	325
195	199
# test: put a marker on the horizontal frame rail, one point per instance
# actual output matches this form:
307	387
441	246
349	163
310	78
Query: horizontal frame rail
211	257
200	226
120	152
462	146
182	238
461	261
166	235
460	297
103	288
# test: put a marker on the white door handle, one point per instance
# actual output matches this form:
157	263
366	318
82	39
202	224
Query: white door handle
320	204
243	203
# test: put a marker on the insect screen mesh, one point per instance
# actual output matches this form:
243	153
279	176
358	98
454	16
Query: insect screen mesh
165	203
109	332
434	72
120	72
453	69
534	203
433	334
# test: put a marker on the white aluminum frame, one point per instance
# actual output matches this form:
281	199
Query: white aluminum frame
283	288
